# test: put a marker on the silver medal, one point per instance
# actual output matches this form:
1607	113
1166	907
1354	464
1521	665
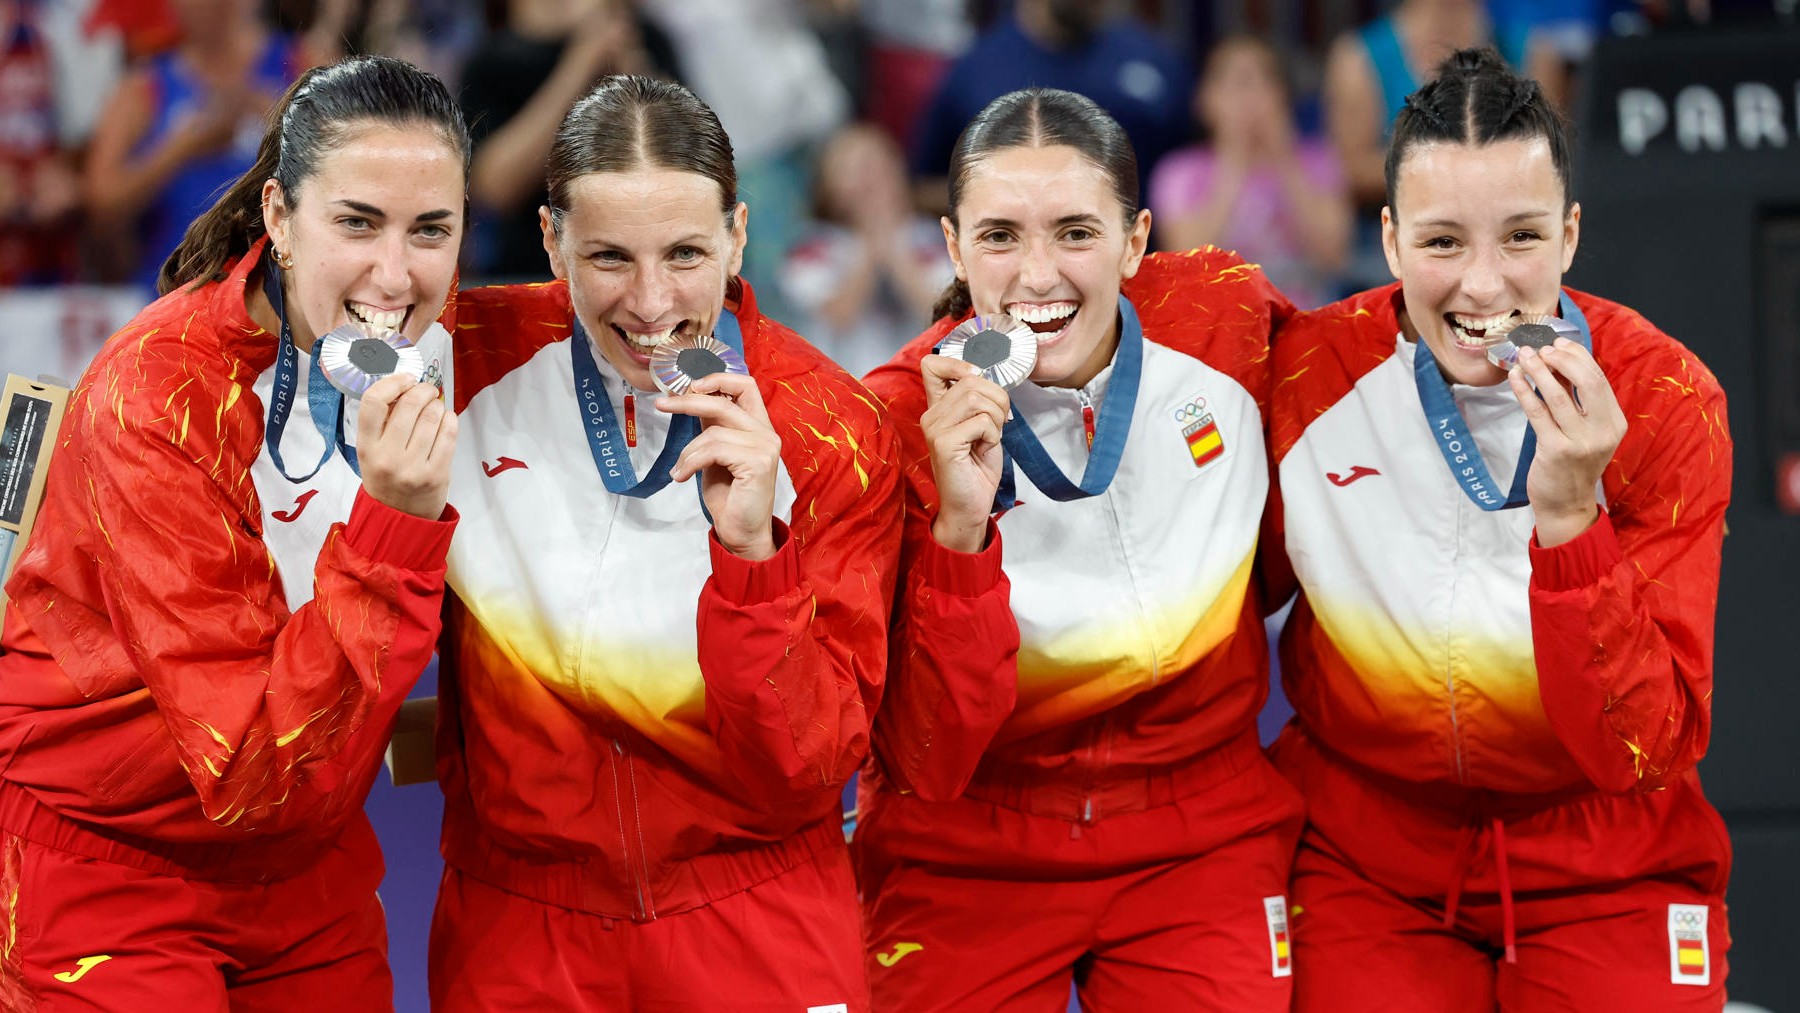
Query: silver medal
1533	332
1004	349
677	363
355	355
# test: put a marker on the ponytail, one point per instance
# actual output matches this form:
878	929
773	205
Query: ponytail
954	302
227	230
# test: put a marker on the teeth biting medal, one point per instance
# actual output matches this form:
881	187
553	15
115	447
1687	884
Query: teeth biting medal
1003	348
356	355
677	363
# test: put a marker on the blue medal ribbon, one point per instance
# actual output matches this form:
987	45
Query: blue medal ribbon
601	423
323	401
1457	444
1111	427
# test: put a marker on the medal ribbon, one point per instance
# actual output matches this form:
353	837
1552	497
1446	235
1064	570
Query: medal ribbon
324	402
601	424
1110	429
1457	444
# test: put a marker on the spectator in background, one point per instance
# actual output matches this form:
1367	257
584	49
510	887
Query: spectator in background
38	191
186	122
1277	199
1370	71
911	44
516	88
866	273
1074	45
762	68
437	36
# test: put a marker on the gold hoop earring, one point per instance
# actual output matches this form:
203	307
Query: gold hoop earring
285	261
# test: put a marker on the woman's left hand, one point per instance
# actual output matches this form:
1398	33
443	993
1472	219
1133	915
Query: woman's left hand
1579	425
736	456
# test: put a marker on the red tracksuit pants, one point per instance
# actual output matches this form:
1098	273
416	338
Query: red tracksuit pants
786	945
81	934
1416	898
1173	900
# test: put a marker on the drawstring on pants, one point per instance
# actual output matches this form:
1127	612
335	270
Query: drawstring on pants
1465	854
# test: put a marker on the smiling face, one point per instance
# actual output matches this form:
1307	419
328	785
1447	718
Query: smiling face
1040	235
647	255
375	234
1478	237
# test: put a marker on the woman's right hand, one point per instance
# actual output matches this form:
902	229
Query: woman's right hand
964	416
405	437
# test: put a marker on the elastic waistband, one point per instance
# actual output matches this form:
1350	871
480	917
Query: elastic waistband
262	860
594	886
1453	803
1113	793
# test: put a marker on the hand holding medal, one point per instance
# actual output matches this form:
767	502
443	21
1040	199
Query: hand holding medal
1576	438
405	434
967	406
737	453
405	438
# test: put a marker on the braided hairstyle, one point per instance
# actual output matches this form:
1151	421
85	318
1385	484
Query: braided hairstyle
1476	99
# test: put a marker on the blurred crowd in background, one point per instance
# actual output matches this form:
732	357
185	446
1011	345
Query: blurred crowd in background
1259	124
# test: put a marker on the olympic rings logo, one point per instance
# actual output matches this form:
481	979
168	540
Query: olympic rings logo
1193	411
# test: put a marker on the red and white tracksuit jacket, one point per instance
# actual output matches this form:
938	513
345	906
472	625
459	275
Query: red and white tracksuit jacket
203	660
635	721
1439	652
1135	620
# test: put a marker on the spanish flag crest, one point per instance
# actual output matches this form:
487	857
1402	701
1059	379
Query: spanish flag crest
1204	441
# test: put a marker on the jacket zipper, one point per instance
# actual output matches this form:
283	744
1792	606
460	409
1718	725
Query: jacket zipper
1102	731
629	830
1456	740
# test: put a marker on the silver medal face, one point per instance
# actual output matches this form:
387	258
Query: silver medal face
1533	332
354	356
677	363
1004	349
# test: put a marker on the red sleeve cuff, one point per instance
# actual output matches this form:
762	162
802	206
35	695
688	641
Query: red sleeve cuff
385	535
743	581
964	574
1579	562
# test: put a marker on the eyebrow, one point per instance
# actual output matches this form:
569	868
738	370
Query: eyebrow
1446	223
374	212
1074	219
601	243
